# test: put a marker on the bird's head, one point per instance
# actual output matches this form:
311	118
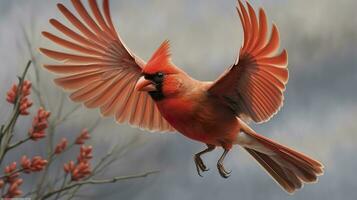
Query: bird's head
160	75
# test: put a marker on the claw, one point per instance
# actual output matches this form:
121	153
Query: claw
222	171
200	166
198	170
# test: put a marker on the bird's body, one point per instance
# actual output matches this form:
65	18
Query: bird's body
158	96
200	116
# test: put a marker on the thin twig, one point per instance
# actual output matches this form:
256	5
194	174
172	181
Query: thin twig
95	125
50	156
39	96
12	173
11	146
94	182
60	106
34	59
67	115
62	186
35	63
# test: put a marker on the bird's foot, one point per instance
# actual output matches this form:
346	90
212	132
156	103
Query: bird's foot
200	166
222	171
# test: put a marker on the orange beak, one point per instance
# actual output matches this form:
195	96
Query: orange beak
144	85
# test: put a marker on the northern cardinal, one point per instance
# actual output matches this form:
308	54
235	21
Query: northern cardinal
157	96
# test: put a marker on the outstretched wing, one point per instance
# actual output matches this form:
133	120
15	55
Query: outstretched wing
253	87
100	71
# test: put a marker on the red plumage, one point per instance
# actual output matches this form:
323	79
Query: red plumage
160	61
158	96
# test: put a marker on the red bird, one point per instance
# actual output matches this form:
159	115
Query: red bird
156	95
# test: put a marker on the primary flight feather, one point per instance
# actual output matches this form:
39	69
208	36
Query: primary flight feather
101	72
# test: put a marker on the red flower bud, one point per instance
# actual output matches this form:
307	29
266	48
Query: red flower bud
11	94
25	103
61	146
34	165
39	125
9	172
85	153
68	167
13	190
83	137
10	168
26	164
38	164
81	171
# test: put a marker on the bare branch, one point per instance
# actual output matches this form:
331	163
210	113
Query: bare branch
67	115
39	96
12	173
95	182
7	130
11	146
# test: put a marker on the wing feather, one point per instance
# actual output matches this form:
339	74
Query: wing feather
87	91
280	73
71	58
106	95
77	81
80	26
89	21
99	17
72	69
253	87
70	45
75	36
263	31
127	106
271	46
109	108
279	60
266	96
99	70
254	28
138	112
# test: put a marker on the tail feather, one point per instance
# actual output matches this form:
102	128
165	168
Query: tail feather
289	168
304	171
288	181
317	166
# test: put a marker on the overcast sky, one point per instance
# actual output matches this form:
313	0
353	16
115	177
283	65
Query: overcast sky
318	117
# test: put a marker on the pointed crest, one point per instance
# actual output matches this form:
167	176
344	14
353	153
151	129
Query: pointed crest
160	60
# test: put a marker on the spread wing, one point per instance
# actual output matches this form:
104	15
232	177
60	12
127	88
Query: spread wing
99	70
253	87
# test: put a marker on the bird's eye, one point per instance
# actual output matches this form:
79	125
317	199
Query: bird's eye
158	77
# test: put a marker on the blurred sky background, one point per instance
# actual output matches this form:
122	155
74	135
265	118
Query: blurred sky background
318	117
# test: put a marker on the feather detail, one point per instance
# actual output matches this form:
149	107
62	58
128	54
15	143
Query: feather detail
253	87
99	70
161	61
289	168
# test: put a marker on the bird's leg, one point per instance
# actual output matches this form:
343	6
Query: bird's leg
222	171
200	166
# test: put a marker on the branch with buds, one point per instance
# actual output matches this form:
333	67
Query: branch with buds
75	172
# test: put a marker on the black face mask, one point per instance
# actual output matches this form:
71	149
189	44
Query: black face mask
157	79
